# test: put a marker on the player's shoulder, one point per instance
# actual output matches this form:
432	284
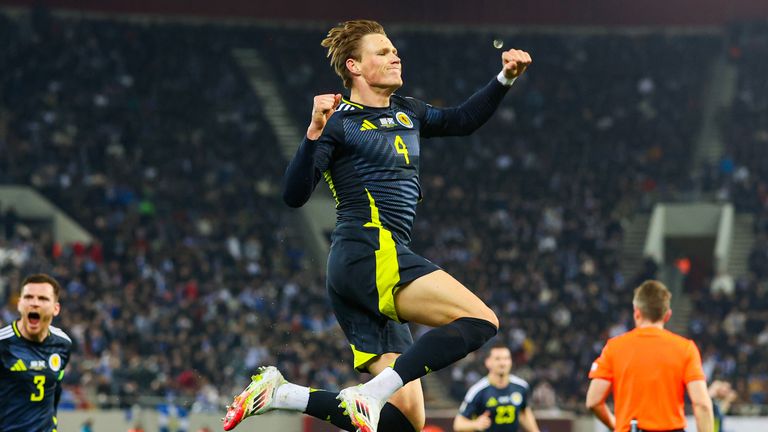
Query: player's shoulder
348	108
628	337
60	336
477	388
6	334
407	103
619	343
676	337
680	341
516	380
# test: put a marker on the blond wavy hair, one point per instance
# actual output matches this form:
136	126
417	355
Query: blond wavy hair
343	42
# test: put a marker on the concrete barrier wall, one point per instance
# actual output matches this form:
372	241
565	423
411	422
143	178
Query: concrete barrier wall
117	421
31	204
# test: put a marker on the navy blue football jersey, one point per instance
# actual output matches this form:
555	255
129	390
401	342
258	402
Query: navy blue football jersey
504	404
719	417
30	379
370	156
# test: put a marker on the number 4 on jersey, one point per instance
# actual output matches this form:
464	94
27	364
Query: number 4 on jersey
402	148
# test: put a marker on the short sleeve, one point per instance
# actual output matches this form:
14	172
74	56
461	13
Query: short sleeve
603	367
526	397
693	368
471	407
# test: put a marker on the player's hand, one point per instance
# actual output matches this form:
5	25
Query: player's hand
514	63
484	421
323	108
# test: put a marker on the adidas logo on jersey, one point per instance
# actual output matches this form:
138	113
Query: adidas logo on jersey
367	126
19	366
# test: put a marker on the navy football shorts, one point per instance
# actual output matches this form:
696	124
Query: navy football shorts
365	269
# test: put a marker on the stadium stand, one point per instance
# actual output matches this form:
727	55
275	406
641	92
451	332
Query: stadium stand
731	323
149	135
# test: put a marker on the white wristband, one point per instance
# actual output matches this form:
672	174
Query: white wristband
504	80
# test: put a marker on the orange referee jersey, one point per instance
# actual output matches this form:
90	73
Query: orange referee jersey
649	369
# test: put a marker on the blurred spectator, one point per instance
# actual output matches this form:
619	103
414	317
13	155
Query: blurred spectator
722	284
87	426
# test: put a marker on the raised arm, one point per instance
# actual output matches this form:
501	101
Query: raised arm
313	155
475	111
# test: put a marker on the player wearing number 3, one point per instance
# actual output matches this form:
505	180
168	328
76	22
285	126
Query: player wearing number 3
367	148
33	355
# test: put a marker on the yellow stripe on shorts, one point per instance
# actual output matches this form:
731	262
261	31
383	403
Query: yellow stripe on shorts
387	268
361	359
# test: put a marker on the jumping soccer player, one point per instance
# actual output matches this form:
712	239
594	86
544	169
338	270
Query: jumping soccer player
367	148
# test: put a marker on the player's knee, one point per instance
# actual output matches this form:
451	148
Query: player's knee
482	312
492	318
477	331
408	404
488	315
417	416
419	420
413	410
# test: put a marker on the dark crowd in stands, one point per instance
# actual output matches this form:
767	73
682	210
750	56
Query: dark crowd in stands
149	135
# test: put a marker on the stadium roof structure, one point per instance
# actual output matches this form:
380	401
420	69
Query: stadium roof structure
499	12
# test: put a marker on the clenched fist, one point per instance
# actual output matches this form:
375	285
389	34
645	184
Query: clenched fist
514	63
484	421
323	108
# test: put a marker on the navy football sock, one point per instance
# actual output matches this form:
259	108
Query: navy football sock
393	420
443	346
324	405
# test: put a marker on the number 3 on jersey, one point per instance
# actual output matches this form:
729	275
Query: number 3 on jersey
402	148
39	380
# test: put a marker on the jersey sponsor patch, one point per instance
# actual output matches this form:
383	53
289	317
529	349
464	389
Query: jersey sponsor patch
387	122
404	120
37	365
54	361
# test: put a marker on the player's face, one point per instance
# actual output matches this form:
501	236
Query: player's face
37	307
499	361
379	64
